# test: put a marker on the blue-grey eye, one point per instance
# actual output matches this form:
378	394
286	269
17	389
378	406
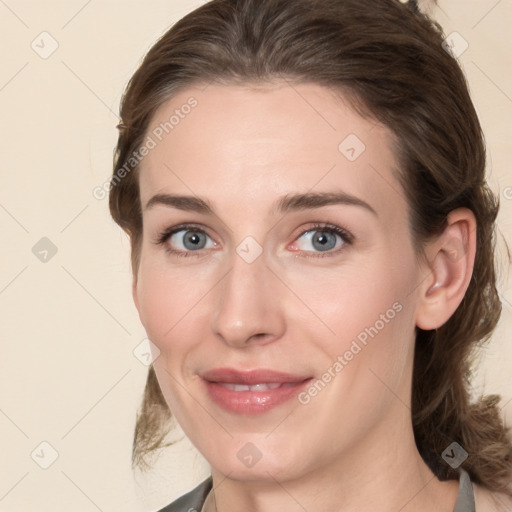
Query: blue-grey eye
190	240
320	240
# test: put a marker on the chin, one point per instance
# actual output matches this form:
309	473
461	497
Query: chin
255	458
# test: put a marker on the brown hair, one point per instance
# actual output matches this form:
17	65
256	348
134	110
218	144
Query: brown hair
389	59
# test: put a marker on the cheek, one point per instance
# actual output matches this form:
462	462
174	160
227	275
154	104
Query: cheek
351	298
365	314
156	304
166	301
382	324
170	307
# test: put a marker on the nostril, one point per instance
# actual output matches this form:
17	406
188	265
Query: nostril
261	336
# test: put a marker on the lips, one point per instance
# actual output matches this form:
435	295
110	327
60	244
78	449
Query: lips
254	391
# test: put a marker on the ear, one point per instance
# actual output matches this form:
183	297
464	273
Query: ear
449	266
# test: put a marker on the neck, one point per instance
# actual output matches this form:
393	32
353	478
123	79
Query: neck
383	472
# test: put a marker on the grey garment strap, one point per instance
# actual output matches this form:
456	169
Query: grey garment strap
193	501
466	497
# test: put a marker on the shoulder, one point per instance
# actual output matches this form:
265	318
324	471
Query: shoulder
488	501
192	501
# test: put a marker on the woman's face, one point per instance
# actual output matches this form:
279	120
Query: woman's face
277	278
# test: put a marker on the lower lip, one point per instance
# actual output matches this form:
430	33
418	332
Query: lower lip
253	402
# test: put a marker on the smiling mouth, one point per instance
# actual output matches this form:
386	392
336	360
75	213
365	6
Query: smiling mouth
252	392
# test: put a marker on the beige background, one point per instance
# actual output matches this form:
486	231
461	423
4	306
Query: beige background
68	375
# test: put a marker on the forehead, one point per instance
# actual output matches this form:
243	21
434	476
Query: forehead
233	143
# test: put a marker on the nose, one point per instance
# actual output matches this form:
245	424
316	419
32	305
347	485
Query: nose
247	306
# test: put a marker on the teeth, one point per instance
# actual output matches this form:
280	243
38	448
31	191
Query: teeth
255	387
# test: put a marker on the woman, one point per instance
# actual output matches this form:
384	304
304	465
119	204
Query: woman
312	247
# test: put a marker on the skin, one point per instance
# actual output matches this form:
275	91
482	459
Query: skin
242	148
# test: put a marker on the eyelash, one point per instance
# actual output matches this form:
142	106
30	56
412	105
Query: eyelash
346	237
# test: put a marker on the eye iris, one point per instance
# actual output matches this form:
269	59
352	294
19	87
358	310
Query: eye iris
325	240
194	240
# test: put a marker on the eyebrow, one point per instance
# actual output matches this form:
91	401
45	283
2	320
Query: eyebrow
288	203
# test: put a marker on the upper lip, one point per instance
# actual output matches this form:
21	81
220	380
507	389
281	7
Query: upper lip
251	377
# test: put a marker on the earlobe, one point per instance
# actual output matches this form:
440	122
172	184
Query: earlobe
450	261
